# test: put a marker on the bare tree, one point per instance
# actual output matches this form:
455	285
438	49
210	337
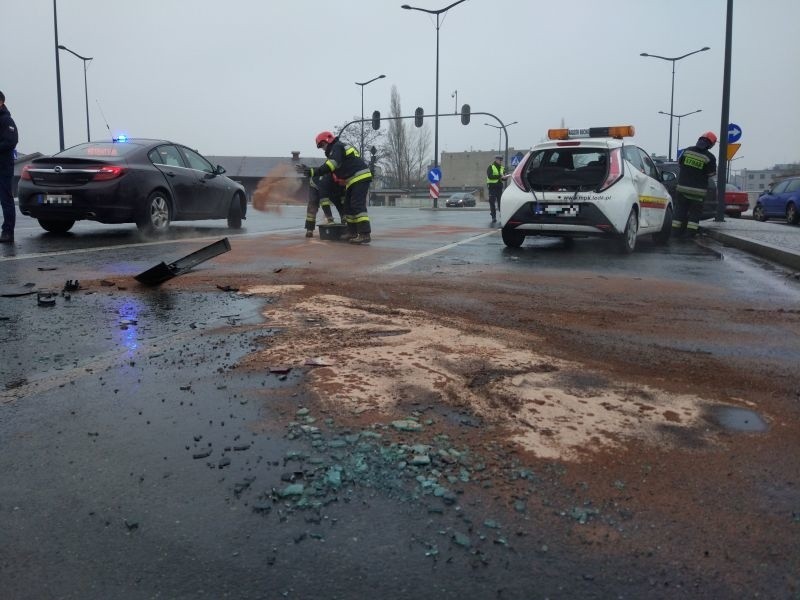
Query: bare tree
405	150
352	135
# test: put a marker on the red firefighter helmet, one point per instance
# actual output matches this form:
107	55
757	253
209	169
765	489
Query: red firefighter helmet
709	135
325	136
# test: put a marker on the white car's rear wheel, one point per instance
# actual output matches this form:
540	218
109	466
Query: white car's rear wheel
628	239
512	238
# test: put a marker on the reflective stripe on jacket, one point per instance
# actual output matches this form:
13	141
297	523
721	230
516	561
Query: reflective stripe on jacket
345	162
696	166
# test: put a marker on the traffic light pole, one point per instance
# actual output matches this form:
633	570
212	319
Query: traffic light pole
486	114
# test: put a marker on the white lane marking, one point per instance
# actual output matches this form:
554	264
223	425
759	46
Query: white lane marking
421	255
140	245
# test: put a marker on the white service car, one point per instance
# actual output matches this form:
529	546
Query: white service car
587	182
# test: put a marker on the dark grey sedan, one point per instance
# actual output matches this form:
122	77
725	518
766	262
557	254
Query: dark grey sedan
147	182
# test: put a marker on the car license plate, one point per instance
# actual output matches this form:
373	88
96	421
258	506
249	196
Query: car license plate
59	199
560	210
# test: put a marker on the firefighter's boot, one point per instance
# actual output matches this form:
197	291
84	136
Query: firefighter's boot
309	233
361	238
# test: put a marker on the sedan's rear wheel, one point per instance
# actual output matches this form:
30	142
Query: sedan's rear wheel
157	214
512	238
791	214
758	213
628	239
54	226
235	213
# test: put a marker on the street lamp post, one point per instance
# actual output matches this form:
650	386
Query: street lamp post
438	13
500	130
361	145
673	60
58	82
679	117
85	60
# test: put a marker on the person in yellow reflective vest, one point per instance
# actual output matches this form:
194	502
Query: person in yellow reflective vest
495	175
345	162
697	164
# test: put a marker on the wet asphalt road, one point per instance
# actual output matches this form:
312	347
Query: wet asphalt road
137	461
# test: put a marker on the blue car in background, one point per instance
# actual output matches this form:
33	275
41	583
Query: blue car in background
780	202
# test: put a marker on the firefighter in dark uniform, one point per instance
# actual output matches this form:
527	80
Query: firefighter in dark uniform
323	191
495	175
697	164
344	161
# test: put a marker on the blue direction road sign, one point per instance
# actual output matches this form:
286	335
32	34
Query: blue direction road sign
435	175
734	133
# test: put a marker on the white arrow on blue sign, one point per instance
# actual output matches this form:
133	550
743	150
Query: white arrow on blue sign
734	133
435	175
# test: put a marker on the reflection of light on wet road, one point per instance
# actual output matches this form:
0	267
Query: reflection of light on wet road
128	311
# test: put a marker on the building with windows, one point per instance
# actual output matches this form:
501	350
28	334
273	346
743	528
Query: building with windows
757	180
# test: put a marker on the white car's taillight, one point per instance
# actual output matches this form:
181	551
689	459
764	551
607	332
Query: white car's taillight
516	176
614	169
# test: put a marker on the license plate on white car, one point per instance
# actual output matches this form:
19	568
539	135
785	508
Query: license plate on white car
59	199
557	210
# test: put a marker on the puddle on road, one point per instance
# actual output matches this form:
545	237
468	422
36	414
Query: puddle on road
733	418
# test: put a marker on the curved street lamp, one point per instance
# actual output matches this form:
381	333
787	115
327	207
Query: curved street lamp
673	60
436	113
86	60
679	117
362	84
500	130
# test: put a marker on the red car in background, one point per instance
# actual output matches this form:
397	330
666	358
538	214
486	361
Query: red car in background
736	201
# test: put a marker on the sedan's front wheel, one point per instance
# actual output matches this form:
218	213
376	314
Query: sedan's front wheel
791	214
235	213
157	214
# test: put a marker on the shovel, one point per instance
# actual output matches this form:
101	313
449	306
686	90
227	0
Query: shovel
162	271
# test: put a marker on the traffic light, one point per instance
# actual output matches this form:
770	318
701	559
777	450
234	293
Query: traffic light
376	120
418	116
465	114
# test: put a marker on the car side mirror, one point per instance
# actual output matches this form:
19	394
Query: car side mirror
219	170
667	176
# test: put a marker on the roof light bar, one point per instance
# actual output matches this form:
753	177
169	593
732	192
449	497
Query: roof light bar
619	131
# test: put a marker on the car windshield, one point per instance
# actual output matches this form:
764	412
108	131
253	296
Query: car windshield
98	150
573	169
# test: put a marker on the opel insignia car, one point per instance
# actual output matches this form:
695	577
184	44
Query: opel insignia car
147	182
587	182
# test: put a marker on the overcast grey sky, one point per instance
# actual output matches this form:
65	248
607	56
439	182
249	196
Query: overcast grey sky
260	77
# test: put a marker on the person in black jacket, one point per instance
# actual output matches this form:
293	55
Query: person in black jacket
345	162
8	142
696	165
323	190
